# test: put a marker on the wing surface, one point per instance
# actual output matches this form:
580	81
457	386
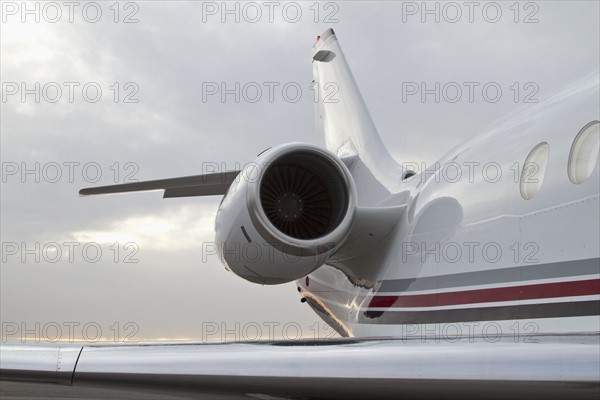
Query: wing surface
349	368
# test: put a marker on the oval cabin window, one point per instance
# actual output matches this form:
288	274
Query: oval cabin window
534	169
584	153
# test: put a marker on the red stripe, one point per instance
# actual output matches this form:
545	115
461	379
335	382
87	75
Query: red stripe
539	291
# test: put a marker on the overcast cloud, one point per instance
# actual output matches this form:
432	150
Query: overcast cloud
174	129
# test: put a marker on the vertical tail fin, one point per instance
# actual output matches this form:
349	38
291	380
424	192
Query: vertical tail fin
346	125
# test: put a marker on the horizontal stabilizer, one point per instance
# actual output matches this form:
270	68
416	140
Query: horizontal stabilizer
197	185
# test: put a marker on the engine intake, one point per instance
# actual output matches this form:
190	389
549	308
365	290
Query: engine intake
303	195
294	206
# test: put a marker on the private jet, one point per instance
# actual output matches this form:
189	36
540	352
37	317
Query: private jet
477	276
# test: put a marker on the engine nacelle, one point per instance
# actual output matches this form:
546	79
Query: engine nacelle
285	214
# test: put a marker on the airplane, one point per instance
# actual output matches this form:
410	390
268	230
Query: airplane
478	276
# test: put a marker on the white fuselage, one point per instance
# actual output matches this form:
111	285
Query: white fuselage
471	255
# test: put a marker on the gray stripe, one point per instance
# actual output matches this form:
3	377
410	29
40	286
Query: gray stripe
520	312
513	274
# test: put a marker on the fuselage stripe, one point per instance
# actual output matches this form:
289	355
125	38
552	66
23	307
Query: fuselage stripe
511	293
514	312
590	266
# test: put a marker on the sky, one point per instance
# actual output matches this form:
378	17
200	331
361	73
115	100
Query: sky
97	93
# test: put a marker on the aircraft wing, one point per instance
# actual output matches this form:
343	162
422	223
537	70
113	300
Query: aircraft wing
348	368
196	185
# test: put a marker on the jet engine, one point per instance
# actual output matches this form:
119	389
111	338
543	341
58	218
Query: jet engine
285	214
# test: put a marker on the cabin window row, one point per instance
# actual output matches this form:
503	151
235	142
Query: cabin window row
583	158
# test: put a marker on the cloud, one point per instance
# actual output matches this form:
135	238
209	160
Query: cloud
170	131
185	227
